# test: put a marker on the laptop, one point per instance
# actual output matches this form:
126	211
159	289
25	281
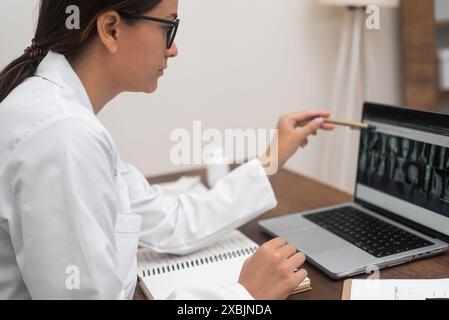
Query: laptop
400	211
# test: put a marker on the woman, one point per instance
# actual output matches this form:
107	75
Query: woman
67	200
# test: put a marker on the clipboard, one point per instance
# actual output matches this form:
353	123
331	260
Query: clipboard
436	289
346	294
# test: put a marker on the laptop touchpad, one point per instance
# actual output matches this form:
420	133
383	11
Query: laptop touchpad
314	240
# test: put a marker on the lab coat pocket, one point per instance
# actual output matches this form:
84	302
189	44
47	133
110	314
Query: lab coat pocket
126	232
129	223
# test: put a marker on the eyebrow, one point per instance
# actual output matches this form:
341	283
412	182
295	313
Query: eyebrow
173	15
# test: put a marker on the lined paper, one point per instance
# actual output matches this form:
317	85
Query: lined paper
216	266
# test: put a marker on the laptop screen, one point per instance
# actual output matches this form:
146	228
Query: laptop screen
403	166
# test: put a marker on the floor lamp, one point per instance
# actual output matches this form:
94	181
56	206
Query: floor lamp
349	90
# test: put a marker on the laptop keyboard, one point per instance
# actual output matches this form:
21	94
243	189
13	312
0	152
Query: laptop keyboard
373	235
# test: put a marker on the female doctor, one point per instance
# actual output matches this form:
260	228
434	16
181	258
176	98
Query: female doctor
69	202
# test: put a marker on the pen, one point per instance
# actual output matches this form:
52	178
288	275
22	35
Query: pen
352	125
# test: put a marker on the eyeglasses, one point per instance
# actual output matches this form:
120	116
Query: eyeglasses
171	30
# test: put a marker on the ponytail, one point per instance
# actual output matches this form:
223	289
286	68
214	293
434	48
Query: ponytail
23	67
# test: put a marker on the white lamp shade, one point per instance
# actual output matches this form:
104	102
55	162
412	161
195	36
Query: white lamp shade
361	3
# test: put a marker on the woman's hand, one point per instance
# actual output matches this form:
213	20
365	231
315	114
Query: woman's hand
272	272
293	132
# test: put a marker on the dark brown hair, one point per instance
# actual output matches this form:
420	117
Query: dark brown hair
52	33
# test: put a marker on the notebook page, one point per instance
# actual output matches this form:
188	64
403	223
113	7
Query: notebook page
214	266
399	289
234	241
204	276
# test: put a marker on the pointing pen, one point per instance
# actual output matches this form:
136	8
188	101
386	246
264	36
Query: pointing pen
352	125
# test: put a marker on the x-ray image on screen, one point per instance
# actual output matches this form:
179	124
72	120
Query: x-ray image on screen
414	171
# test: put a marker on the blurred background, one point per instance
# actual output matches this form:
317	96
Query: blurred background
242	64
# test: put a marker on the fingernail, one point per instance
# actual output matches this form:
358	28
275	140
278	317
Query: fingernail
319	121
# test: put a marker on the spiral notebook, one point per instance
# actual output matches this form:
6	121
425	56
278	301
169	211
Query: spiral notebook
213	267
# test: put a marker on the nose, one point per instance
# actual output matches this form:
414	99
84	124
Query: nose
173	51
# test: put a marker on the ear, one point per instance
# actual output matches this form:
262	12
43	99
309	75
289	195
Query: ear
108	27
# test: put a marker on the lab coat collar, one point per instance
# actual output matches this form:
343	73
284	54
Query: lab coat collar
55	68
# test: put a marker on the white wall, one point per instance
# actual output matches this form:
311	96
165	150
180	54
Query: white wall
241	64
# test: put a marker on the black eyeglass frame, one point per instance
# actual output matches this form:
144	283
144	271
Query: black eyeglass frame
171	32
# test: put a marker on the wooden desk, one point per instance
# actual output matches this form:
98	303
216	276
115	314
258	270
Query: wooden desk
296	193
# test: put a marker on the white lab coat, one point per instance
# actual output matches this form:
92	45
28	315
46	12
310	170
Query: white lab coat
69	204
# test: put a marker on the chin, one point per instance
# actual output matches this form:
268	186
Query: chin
151	88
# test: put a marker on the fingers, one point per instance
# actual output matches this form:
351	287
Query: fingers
283	262
304	143
312	127
303	118
275	243
328	127
309	115
296	260
300	275
287	251
324	126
